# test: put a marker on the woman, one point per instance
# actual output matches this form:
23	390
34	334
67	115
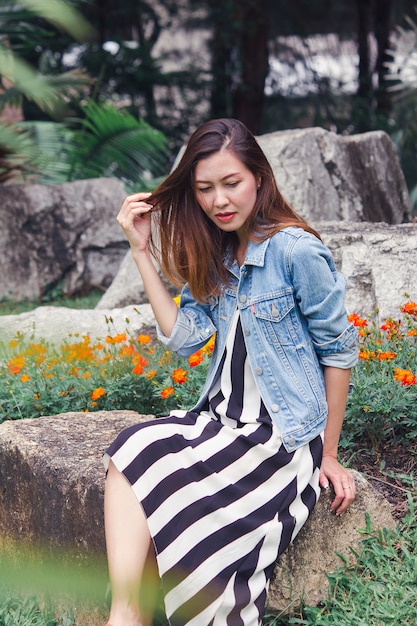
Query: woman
215	494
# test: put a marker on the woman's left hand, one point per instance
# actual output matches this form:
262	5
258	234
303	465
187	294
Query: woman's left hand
343	483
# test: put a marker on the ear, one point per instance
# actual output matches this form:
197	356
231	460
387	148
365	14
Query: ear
258	182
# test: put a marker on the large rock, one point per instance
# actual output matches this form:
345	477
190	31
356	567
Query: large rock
64	236
326	176
377	260
52	482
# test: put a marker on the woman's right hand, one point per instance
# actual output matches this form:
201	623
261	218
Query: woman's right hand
135	219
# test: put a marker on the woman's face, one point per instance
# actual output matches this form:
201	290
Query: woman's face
225	189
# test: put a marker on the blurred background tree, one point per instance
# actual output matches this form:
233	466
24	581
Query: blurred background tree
170	64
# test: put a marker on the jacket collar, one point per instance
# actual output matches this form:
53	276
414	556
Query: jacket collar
256	251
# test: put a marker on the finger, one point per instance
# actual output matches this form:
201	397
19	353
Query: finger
323	481
345	497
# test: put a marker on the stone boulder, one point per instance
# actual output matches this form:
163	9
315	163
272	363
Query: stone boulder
377	260
52	482
59	324
326	176
64	236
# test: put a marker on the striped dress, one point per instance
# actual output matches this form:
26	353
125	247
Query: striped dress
222	496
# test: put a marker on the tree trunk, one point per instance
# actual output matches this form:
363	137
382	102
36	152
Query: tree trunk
383	18
249	95
222	47
364	29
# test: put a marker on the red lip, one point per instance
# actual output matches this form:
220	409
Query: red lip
225	217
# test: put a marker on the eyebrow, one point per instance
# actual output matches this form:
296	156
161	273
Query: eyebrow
224	178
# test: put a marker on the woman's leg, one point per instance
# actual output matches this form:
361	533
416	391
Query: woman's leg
130	554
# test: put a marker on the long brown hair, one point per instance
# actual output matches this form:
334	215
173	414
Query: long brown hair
188	245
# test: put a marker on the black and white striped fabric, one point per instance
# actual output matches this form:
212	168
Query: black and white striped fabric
222	497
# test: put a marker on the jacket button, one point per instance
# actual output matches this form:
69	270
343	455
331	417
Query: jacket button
275	408
291	441
247	332
258	371
242	298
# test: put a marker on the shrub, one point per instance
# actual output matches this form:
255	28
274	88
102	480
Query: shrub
120	372
383	401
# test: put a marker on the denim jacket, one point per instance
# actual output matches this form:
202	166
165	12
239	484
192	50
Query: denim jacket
291	303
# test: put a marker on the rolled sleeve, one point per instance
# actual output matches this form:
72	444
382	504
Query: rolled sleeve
335	355
192	329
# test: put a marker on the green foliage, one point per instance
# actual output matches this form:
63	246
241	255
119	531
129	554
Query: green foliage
376	586
383	403
114	143
402	73
19	80
16	610
53	298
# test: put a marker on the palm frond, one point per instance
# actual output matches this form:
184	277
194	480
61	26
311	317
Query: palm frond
18	152
63	15
402	67
29	82
114	143
53	143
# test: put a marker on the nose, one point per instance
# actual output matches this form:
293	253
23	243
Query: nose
220	197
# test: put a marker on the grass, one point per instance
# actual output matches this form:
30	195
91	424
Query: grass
376	586
55	298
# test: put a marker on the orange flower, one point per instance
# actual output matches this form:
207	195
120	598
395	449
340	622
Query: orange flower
151	374
356	320
143	339
195	359
412	332
16	364
140	363
97	393
209	347
405	377
366	355
410	308
119	338
180	376
386	356
127	351
168	391
391	325
25	378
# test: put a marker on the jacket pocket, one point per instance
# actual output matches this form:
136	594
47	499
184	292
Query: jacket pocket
277	319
